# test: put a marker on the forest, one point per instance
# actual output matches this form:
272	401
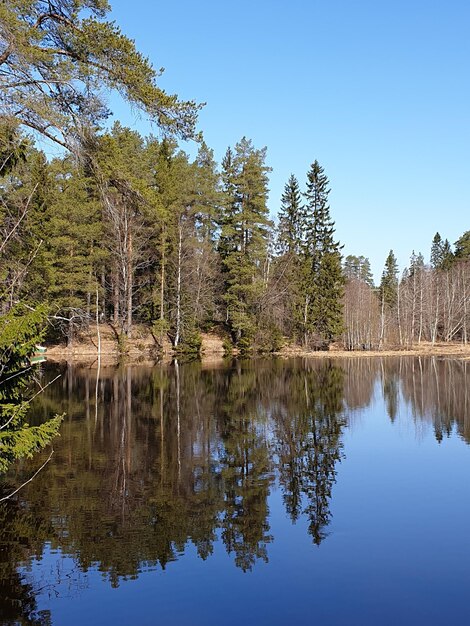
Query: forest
127	230
137	233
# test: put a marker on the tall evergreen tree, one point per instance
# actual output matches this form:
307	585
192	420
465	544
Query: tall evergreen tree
229	206
441	253
74	245
323	273
389	282
176	198
25	186
291	219
436	251
287	267
244	237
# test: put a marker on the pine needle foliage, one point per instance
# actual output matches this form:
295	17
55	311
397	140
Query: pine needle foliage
20	330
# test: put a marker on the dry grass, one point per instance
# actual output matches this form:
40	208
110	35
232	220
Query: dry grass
459	350
142	348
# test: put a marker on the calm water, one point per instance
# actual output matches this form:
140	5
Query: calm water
260	493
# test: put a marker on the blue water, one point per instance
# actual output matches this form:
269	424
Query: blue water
395	548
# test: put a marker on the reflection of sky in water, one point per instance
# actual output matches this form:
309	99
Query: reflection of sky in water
396	550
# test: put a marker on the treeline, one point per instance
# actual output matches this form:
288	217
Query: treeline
136	231
428	302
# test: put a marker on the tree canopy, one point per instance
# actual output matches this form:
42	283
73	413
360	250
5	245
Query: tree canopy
56	57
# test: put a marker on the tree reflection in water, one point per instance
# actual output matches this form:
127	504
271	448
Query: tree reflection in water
187	454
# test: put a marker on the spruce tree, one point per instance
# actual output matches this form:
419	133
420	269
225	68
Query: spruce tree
74	251
229	206
291	219
323	275
287	267
441	253
389	282
436	251
20	330
416	263
207	193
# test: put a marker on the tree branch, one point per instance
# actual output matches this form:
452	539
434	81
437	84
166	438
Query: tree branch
29	479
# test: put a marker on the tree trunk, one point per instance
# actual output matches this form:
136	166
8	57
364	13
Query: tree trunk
116	295
178	285
130	283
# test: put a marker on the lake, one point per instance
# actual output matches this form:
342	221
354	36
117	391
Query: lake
258	492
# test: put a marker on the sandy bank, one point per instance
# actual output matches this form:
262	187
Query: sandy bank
142	348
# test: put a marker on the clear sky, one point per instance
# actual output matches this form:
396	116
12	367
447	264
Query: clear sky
378	92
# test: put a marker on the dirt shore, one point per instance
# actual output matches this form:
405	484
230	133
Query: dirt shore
141	348
454	350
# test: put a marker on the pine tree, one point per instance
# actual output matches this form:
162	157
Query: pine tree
323	275
206	214
358	267
207	192
59	57
119	169
244	238
175	200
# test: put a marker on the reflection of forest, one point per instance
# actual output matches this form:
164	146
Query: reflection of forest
151	459
436	389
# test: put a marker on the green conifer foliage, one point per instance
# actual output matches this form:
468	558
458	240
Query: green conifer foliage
244	238
291	219
56	59
25	187
323	275
462	246
389	282
20	330
287	265
441	253
74	248
358	267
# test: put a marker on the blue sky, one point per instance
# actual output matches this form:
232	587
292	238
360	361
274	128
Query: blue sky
378	92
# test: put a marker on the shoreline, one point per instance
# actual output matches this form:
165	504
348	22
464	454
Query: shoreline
142	350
